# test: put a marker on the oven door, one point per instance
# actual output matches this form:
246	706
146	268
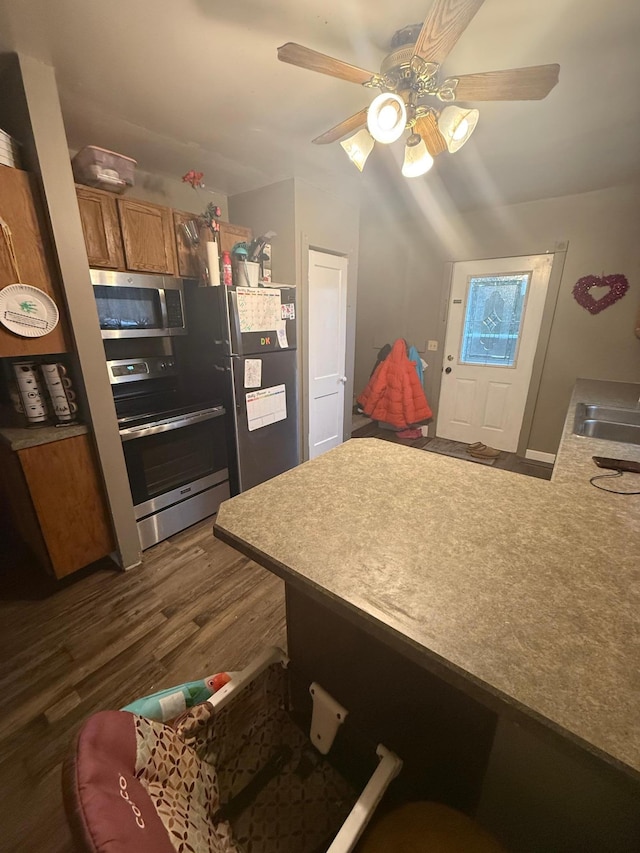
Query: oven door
173	459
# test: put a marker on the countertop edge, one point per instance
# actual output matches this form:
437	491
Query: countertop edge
21	438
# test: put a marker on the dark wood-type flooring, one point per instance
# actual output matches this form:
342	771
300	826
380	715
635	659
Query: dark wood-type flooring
506	461
103	638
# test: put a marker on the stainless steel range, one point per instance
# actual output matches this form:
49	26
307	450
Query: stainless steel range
175	450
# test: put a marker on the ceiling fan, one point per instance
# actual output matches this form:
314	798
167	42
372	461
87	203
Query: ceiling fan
412	92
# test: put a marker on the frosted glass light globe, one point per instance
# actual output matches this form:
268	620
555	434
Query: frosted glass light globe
387	117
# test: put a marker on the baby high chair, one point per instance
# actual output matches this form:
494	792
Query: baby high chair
233	774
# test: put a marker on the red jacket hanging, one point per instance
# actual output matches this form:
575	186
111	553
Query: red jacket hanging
394	393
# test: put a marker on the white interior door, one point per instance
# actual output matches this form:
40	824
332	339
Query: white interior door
327	343
495	312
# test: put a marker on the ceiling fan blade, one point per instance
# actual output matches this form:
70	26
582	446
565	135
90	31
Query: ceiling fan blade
304	57
443	26
427	128
513	84
349	125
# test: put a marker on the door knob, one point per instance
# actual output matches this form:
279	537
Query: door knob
343	379
447	370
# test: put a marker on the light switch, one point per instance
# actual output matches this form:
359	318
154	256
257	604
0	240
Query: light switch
432	346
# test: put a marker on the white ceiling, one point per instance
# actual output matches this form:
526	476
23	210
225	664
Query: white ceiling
196	85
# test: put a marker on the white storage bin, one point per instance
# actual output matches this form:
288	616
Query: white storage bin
107	170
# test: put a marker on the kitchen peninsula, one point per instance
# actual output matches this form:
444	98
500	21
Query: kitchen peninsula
522	593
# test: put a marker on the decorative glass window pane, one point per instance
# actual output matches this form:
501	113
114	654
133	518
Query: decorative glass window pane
493	319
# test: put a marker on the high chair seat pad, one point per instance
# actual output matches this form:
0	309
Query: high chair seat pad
132	784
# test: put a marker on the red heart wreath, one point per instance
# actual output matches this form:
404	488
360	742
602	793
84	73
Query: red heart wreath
617	284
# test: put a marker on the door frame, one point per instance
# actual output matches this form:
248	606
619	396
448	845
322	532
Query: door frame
559	253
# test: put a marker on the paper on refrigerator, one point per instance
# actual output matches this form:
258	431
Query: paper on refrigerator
258	309
253	372
265	407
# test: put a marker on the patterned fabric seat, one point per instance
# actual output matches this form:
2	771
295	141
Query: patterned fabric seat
243	779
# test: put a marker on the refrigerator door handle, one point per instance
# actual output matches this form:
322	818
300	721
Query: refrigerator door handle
234	323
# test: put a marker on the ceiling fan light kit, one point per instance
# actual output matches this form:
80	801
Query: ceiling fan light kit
358	147
387	117
411	91
417	160
456	125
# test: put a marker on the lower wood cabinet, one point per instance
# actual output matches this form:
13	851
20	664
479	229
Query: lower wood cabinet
57	502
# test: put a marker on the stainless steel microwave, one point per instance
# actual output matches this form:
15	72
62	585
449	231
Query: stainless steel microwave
134	305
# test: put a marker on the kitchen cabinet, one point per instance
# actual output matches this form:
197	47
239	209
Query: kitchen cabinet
22	210
101	228
147	236
230	234
57	503
129	234
188	257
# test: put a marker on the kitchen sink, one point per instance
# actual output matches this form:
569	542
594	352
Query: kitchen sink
607	422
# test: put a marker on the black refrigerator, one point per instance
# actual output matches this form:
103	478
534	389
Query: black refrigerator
242	347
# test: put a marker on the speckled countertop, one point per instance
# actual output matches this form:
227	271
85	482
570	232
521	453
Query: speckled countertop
528	589
19	438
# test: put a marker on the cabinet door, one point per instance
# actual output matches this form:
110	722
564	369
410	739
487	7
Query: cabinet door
189	265
147	234
21	208
99	216
232	234
68	498
19	506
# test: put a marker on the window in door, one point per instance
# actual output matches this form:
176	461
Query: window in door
493	319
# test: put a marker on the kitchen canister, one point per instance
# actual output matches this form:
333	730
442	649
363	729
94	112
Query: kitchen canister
60	391
32	397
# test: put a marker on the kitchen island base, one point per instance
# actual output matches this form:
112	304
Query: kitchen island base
443	736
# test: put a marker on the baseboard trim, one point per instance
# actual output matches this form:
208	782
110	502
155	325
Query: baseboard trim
540	456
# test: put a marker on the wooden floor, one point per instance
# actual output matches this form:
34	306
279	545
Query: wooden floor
104	638
365	428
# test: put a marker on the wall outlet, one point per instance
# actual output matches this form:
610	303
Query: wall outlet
432	346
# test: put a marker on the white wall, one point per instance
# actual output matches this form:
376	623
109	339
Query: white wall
401	285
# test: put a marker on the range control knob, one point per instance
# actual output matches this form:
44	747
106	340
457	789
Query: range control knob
163	365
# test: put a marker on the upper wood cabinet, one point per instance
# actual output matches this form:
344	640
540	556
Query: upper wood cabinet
99	216
230	234
21	208
147	236
129	234
189	265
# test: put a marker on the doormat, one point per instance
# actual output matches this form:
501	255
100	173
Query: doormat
458	449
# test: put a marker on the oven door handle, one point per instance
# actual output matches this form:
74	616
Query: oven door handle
169	424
